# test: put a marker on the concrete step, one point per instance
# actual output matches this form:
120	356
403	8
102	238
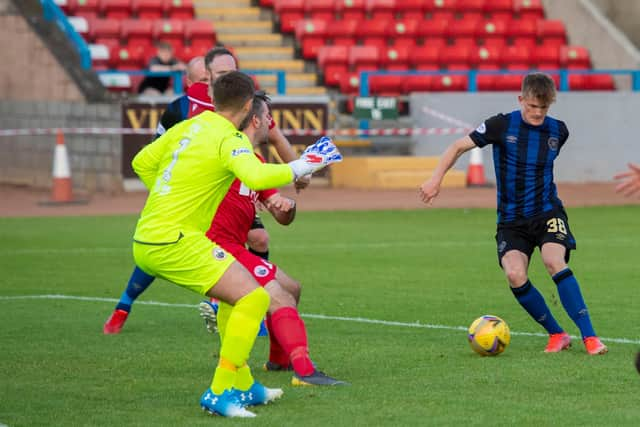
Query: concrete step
234	14
305	80
242	27
239	40
264	53
295	66
307	91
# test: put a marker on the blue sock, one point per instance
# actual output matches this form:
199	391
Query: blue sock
533	301
138	283
572	301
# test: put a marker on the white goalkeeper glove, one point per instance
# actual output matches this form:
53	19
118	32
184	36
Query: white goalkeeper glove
318	155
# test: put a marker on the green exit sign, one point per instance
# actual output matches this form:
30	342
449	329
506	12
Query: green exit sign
375	108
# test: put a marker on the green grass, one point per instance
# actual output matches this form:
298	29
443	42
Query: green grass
426	268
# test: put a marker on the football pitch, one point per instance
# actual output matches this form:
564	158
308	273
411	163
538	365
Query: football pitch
387	297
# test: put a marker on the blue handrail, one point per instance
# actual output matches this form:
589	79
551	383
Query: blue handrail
52	12
473	74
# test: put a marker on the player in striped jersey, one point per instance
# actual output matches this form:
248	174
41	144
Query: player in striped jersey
526	143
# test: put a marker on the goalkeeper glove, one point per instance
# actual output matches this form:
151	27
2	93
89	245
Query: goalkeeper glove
318	155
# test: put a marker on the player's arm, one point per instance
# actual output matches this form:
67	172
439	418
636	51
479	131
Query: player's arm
430	188
282	208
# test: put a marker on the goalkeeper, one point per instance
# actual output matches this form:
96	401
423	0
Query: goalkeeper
188	171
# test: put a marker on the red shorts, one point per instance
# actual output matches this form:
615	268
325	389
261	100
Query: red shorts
263	271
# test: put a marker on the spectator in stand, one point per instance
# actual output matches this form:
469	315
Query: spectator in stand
163	61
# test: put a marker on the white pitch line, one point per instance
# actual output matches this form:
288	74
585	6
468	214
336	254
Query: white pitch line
307	315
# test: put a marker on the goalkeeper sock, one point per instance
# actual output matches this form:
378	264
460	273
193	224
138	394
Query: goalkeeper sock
244	379
572	301
533	301
138	283
239	336
290	332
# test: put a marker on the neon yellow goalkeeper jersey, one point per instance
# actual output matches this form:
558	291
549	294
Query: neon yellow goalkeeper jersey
188	171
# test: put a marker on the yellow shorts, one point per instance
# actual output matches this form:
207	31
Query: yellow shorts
194	262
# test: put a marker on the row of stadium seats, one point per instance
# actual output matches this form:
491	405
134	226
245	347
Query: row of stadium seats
143	33
122	9
311	34
291	11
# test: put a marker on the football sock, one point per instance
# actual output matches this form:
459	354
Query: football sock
244	379
263	255
533	302
276	352
572	301
239	336
138	283
224	311
291	333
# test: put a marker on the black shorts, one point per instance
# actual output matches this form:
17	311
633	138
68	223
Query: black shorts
525	235
257	223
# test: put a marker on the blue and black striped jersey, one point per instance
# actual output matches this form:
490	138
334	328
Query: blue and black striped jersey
523	157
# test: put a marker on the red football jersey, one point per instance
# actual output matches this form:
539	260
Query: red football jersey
236	213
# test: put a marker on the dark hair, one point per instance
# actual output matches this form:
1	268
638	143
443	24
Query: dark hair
216	51
259	97
232	91
539	86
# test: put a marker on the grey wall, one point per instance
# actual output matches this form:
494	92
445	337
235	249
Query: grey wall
604	128
94	159
625	14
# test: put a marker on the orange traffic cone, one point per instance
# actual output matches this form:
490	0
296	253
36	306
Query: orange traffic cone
61	190
475	173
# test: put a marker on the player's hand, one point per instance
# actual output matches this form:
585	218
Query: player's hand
429	190
318	155
302	183
631	181
279	202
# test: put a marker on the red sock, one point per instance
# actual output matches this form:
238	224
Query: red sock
276	352
290	332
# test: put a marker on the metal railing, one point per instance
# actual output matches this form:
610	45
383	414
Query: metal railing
52	12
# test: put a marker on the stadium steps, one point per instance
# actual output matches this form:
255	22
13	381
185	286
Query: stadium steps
249	32
390	172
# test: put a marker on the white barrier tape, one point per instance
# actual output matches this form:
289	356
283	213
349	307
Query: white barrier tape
288	132
444	117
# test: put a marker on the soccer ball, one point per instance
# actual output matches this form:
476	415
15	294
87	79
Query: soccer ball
489	335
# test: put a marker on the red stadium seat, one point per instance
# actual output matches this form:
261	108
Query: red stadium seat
419	83
474	6
289	13
105	31
491	29
199	34
343	32
411	9
364	58
350	84
464	29
516	56
266	3
450	83
381	9
311	34
440	9
148	9
546	56
403	32
89	9
512	82
100	55
486	82
116	9
187	53
395	58
483	56
179	9
351	9
169	31
522	33
529	9
600	82
434	29
455	56
425	56
386	85
124	58
137	32
321	9
499	9
572	56
551	32
81	25
373	32
333	60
